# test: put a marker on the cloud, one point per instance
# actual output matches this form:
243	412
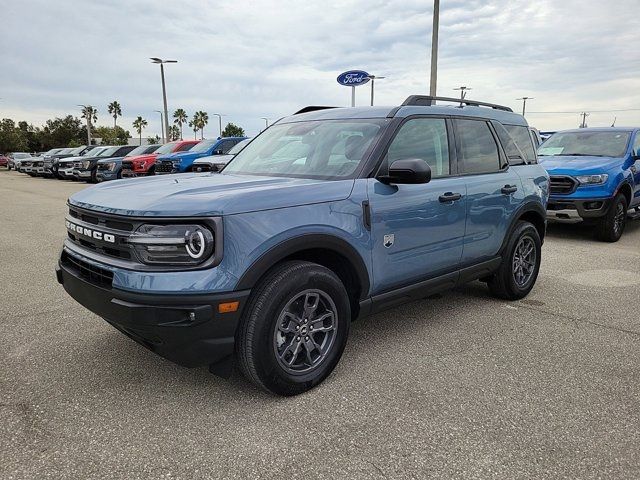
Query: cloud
268	58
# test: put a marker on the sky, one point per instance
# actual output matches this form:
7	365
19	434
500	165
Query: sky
269	58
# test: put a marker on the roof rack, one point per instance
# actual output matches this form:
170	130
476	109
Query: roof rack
427	101
312	108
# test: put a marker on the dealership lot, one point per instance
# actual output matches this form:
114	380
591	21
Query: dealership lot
462	385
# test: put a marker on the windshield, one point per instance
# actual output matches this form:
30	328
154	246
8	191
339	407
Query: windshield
239	146
596	144
109	151
18	156
141	150
204	145
76	151
328	149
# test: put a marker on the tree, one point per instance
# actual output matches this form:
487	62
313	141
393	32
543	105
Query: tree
180	118
115	111
11	137
174	133
60	132
90	114
153	140
200	120
194	126
139	124
232	130
112	135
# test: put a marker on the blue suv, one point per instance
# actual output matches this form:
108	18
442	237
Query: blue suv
328	215
595	177
180	162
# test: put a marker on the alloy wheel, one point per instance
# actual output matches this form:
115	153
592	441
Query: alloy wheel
524	261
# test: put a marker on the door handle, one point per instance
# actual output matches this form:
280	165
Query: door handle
509	189
449	197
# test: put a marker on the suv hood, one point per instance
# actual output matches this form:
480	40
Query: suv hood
110	159
215	159
144	157
207	194
568	165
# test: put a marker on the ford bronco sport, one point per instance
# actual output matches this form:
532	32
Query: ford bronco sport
327	215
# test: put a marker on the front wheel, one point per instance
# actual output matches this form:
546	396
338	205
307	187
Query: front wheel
294	328
611	226
520	264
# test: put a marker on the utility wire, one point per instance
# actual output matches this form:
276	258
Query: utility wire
598	111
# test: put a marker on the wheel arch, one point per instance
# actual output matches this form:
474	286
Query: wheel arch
327	250
533	213
626	190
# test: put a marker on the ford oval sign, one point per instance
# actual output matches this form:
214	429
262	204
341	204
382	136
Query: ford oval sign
353	78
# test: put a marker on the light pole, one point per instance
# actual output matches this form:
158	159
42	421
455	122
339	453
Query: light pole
88	115
463	93
164	89
434	48
161	124
266	122
219	122
524	103
373	78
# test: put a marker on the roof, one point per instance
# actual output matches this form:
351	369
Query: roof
502	116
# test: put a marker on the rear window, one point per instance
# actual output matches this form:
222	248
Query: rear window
477	147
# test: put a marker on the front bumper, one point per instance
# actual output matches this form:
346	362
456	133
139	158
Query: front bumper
186	329
82	174
105	175
577	210
66	172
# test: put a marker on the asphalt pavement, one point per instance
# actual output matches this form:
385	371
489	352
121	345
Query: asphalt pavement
457	386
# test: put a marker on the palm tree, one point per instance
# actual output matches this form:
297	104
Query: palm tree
201	119
179	118
139	124
115	110
194	126
90	113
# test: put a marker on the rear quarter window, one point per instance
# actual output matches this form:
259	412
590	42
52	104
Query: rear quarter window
522	137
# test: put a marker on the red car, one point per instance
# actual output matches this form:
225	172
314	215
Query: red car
4	161
143	165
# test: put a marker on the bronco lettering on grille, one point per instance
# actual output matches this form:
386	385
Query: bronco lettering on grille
88	232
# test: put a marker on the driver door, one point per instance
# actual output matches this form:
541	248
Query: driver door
418	230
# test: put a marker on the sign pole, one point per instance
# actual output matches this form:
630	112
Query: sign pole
353	96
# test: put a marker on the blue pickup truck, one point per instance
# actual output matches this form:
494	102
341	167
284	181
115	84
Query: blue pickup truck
595	177
327	215
180	162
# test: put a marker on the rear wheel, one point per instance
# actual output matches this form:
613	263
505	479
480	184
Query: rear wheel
520	264
294	328
611	227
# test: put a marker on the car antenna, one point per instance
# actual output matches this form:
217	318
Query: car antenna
614	121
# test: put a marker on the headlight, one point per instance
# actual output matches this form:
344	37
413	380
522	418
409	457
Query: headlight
86	164
111	166
175	163
592	179
172	244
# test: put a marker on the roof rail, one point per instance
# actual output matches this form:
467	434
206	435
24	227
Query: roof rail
427	101
312	108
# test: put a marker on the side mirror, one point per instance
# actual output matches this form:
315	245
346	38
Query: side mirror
218	152
409	171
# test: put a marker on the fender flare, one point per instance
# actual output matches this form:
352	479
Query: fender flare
527	207
298	244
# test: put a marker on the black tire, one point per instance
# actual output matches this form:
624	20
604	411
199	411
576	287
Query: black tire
260	355
119	174
611	227
517	275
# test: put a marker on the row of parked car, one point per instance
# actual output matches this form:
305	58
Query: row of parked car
93	163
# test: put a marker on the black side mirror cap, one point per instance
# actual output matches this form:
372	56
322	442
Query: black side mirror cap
409	171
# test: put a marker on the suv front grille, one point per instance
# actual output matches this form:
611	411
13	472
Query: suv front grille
563	185
92	274
103	166
164	166
121	229
127	165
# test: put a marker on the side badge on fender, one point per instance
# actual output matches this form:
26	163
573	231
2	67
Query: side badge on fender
388	240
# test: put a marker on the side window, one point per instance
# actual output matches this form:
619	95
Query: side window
636	144
424	138
226	146
478	151
522	137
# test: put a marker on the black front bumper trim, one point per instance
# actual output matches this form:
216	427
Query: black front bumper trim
186	329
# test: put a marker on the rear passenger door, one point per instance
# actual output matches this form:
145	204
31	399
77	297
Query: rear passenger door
417	230
494	191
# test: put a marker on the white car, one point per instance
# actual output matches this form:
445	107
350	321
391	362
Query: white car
68	164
